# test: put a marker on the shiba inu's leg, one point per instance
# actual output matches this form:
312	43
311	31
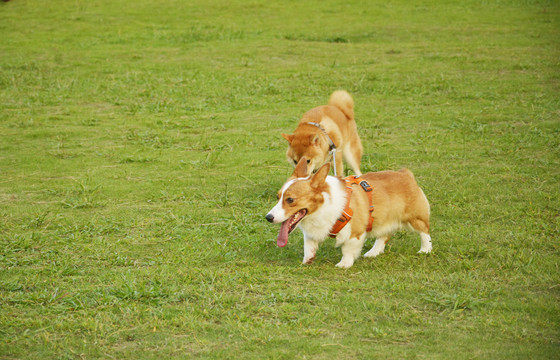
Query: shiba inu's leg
339	165
352	153
309	250
378	247
351	250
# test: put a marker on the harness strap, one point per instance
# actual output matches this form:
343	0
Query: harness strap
347	213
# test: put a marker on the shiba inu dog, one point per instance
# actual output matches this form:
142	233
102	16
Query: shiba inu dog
325	131
376	204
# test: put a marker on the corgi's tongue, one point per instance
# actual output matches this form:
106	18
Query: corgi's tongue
283	234
288	226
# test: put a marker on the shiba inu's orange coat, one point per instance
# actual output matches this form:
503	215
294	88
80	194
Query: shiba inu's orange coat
321	125
314	203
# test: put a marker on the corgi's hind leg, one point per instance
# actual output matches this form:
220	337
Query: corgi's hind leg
422	227
426	246
378	247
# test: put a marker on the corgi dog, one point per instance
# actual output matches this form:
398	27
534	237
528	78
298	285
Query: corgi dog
376	204
325	131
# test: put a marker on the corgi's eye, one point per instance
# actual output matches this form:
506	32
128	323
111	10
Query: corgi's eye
308	161
290	200
295	162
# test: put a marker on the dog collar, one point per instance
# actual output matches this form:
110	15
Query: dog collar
347	212
332	146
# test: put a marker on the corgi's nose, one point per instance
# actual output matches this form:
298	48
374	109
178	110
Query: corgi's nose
270	217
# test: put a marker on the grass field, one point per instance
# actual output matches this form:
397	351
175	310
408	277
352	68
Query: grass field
140	149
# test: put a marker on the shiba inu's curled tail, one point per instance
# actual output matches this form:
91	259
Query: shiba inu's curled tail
342	100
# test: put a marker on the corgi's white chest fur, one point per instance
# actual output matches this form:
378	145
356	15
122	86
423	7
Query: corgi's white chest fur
317	226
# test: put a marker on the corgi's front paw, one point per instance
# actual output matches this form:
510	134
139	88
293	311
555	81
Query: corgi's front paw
345	263
374	252
309	260
378	248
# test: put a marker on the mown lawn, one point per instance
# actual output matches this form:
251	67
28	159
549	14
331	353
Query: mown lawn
140	149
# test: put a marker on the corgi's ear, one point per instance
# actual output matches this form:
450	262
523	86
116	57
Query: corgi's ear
288	137
321	176
301	168
315	140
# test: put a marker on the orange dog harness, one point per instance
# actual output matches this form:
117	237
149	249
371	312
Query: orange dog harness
347	212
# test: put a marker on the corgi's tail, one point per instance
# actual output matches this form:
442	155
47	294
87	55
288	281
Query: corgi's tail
342	100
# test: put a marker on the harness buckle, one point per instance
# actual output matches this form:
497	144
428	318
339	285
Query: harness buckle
366	186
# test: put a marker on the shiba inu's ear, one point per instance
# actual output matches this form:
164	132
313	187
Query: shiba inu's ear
301	168
315	140
288	137
320	177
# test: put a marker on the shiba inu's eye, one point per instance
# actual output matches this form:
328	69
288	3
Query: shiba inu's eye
290	200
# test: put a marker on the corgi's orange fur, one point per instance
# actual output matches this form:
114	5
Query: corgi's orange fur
336	121
314	203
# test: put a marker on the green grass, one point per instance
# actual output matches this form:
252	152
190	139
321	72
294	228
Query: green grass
140	149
